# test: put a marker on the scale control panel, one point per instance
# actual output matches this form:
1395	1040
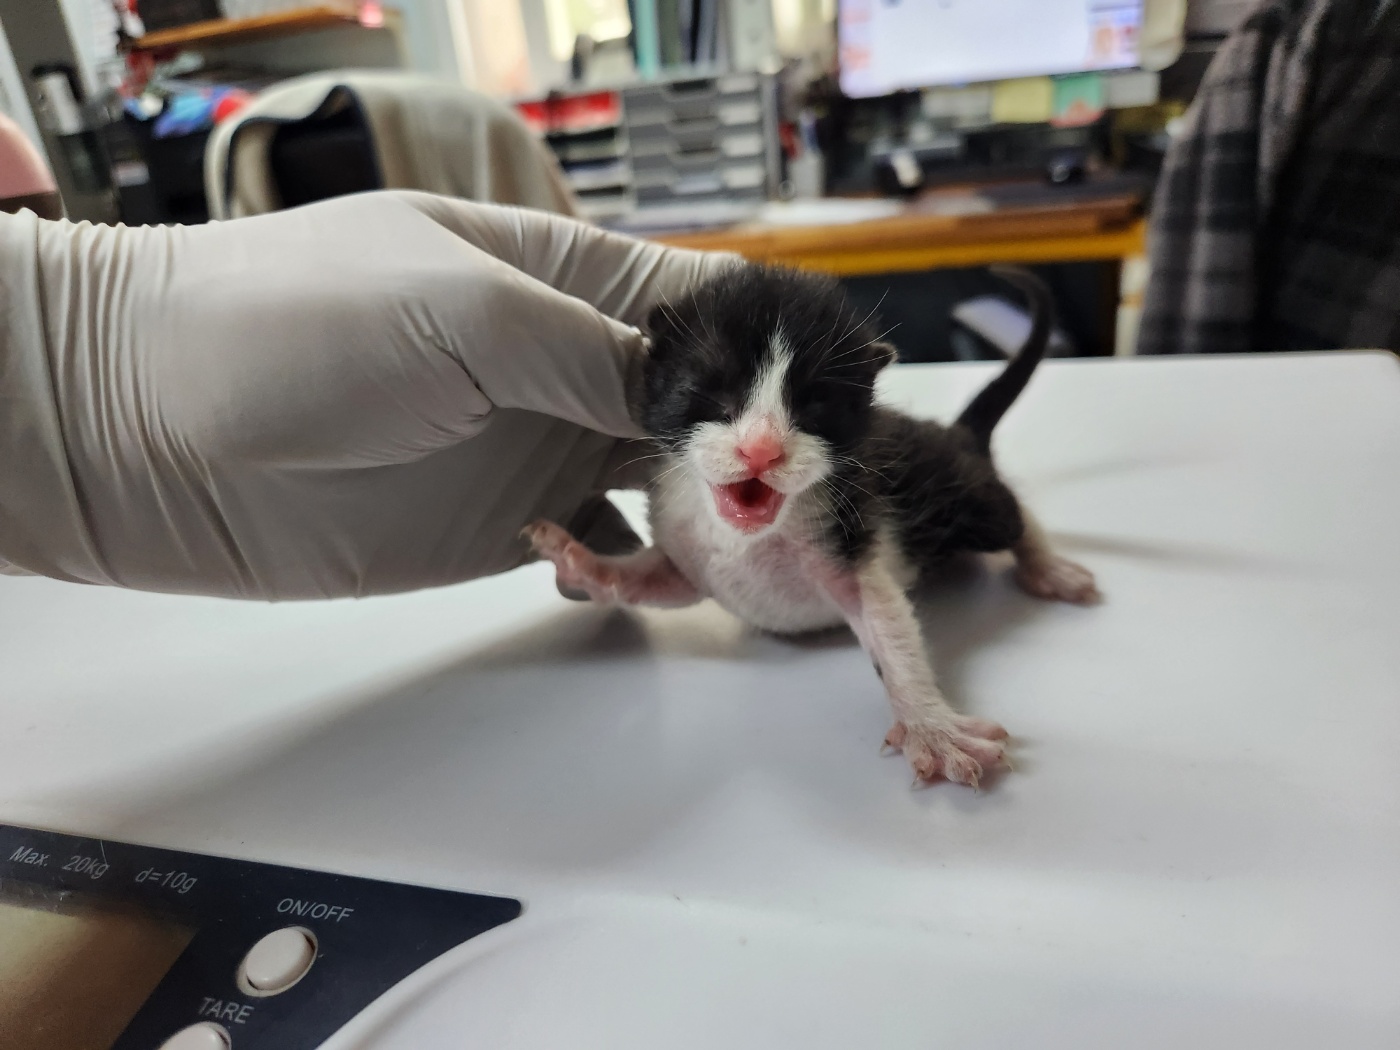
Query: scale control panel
117	946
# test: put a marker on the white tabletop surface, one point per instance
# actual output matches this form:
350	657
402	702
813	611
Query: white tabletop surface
1200	845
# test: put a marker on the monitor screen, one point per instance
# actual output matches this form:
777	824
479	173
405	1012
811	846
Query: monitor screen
895	45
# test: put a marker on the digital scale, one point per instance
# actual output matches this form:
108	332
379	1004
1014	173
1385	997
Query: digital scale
110	945
345	804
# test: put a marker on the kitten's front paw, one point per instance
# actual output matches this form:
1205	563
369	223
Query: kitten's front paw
1058	579
577	570
961	749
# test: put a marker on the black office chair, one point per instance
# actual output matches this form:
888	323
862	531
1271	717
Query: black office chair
328	134
323	157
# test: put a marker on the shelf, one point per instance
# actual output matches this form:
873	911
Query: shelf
220	31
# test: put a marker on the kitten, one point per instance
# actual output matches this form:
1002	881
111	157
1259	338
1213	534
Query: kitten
787	494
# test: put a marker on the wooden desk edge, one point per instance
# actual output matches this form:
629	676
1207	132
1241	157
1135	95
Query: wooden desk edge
1114	229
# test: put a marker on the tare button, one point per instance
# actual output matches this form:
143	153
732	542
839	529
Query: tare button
202	1036
278	961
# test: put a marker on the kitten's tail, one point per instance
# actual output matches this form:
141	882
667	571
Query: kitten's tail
987	408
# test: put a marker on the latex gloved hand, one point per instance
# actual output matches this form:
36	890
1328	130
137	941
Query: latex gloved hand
366	395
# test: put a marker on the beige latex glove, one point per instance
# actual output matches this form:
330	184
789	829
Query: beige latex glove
367	395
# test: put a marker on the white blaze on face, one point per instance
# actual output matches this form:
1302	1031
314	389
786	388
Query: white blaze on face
767	406
763	443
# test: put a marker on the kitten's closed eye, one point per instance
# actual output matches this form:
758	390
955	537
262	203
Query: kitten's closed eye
707	406
826	411
818	408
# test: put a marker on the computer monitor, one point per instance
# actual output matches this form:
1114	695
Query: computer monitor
896	45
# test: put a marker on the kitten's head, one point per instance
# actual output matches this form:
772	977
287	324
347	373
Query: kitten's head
761	379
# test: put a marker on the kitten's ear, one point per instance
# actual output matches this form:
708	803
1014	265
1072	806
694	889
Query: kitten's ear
656	321
662	329
882	354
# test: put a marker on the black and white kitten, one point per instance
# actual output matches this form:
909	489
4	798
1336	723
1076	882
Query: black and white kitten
787	494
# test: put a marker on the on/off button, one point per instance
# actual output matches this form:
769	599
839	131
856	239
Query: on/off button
278	961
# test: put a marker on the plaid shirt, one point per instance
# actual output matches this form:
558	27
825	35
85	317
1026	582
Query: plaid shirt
1276	224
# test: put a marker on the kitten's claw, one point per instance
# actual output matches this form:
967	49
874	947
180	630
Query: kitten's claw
1058	579
576	568
960	751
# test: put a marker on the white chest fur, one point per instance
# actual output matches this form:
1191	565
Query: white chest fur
765	580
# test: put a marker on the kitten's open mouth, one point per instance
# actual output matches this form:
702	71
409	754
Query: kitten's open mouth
748	505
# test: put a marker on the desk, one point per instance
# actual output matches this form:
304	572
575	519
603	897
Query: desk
1199	847
925	236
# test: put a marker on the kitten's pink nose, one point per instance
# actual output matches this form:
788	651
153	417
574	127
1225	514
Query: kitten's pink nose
761	449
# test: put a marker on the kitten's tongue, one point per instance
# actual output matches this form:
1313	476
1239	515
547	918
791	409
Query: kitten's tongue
748	505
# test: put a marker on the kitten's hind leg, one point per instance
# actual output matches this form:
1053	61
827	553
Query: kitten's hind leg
1044	574
644	577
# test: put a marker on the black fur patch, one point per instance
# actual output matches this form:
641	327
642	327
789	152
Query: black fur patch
935	484
708	348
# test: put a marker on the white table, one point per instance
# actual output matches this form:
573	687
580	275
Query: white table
1200	846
